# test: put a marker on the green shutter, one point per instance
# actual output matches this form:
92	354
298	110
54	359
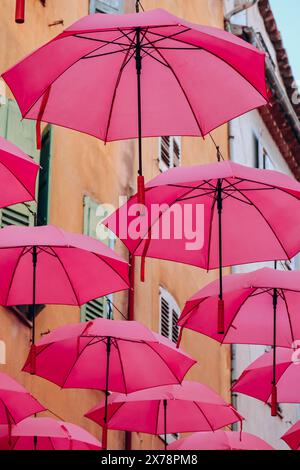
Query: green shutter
21	133
98	307
44	177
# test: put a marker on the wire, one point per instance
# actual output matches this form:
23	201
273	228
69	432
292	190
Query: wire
115	307
138	4
219	153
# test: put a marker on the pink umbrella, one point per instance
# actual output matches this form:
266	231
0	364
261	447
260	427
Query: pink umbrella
257	379
18	174
15	402
59	267
241	215
261	307
121	356
188	407
159	75
50	434
220	440
292	437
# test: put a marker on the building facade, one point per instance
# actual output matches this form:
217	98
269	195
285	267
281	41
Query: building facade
79	174
266	138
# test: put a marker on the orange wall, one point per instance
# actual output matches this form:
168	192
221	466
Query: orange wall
81	165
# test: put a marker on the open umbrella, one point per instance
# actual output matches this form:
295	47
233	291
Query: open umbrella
188	407
18	174
261	307
59	268
51	434
258	378
220	440
120	356
292	436
159	75
15	402
211	216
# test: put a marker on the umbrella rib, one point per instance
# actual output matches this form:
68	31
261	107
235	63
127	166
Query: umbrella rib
181	87
67	275
288	314
236	314
64	71
21	183
267	222
205	417
222	60
13	273
74	363
212	213
122	68
122	366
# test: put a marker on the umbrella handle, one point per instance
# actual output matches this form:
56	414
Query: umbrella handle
274	401
141	190
20	11
220	316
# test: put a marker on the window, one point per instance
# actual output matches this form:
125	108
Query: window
106	6
169	314
21	133
169	152
101	307
261	158
44	178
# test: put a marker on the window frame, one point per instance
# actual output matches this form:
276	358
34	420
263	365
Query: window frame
100	6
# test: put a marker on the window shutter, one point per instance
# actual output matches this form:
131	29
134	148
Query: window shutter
176	151
164	318
169	152
22	134
169	314
97	308
106	6
44	177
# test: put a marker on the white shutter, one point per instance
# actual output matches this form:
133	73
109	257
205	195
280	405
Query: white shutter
169	314
106	6
169	152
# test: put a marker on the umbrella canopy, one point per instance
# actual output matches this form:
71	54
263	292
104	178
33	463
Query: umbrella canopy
213	215
15	402
256	380
18	174
188	407
50	434
220	440
246	296
59	267
159	75
121	356
292	437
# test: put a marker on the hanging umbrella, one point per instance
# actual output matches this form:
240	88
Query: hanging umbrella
59	268
15	402
120	356
188	407
220	440
211	216
258	378
18	174
261	307
292	437
50	434
159	75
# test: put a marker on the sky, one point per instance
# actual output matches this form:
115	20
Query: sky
287	16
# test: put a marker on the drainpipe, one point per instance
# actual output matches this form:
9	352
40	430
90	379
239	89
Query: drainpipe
239	8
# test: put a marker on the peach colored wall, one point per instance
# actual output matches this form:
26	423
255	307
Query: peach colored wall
80	166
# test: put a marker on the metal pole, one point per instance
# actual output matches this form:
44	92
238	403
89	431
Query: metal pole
108	349
165	421
221	301
138	61
274	386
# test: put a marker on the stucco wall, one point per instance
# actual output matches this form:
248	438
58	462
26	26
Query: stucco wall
83	165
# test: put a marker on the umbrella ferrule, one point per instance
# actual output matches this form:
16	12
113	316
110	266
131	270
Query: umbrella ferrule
275	298
219	196
34	256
